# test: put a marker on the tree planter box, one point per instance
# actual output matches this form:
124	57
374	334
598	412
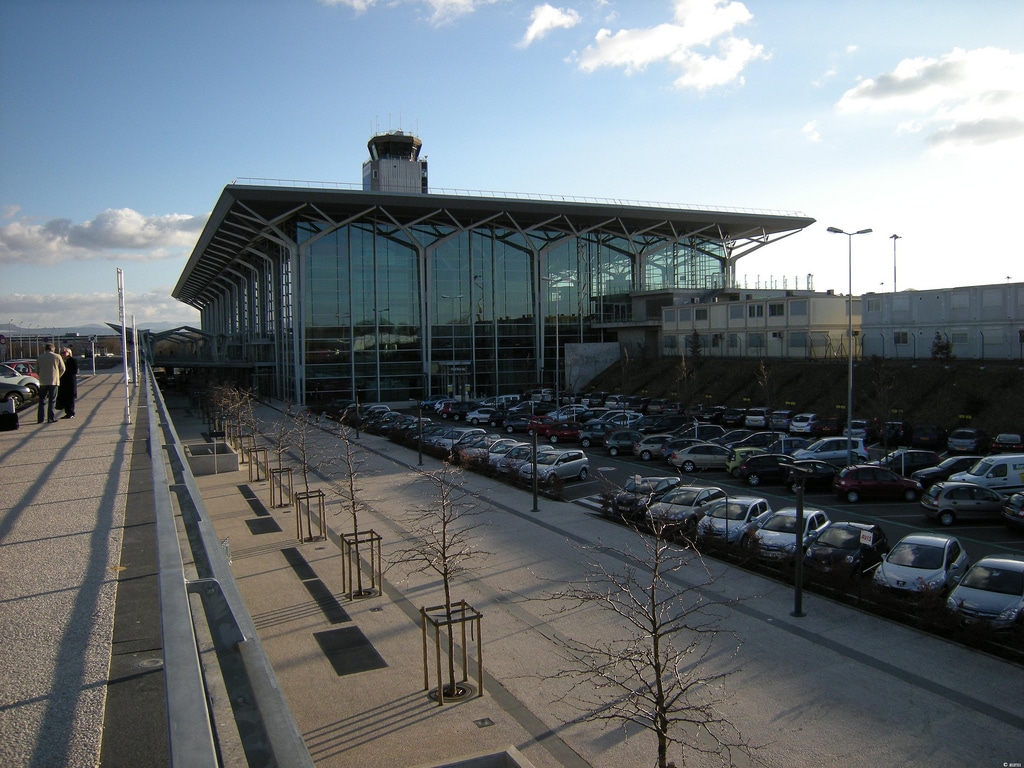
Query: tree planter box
203	460
510	758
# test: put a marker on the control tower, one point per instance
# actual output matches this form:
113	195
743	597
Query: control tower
394	164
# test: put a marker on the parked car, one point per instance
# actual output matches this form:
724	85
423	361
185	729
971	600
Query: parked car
776	539
923	562
944	469
516	422
1003	473
484	447
498	451
803	424
731	436
833	450
813	473
727	522
9	375
754	440
867	481
765	468
678	511
671	444
736	458
1013	510
595	432
483	415
857	428
929	436
992	591
509	463
966	440
847	550
700	456
787	444
780	420
733	417
24	366
1007	442
907	461
827	427
14	393
649	447
706	432
563	465
636	495
620	441
950	501
757	418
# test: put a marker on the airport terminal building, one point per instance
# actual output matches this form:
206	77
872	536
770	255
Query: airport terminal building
310	293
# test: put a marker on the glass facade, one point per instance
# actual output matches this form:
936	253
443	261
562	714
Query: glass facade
396	312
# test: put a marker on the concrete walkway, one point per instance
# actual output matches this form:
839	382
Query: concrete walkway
834	687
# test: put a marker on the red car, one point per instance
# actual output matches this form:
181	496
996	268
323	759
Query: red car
554	431
864	481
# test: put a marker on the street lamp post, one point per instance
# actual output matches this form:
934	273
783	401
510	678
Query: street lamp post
551	282
894	238
849	334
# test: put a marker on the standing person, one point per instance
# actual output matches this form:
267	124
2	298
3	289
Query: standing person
67	391
49	368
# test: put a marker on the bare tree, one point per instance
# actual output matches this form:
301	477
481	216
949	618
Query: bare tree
443	542
658	675
346	488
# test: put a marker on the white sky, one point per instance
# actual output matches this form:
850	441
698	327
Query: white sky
122	121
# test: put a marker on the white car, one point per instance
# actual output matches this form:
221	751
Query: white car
992	591
923	562
729	521
567	465
775	539
803	424
10	376
833	450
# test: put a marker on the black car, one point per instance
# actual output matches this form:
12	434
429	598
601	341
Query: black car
928	436
906	461
815	474
845	550
943	470
594	432
632	501
733	417
765	468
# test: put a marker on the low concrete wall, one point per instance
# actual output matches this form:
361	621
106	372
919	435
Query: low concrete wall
203	460
510	758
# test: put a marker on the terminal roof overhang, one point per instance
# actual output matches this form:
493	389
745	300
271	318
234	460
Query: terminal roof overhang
246	214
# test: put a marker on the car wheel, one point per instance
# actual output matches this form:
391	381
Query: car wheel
474	422
455	417
553	439
583	474
946	517
510	429
613	451
852	496
689	466
910	495
14	397
753	479
645	455
33	391
735	473
585	442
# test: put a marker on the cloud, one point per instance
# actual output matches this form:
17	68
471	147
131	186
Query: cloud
121	234
699	42
963	98
810	131
75	310
545	18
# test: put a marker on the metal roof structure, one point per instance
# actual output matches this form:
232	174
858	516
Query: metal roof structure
248	216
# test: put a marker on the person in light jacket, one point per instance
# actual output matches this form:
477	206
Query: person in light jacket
49	368
67	391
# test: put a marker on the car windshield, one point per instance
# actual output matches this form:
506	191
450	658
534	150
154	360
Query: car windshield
995	579
681	496
729	511
781	524
980	469
840	537
917	556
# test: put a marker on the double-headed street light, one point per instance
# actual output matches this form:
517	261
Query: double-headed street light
849	333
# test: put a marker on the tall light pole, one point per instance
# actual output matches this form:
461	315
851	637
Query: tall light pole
894	238
453	300
849	334
552	284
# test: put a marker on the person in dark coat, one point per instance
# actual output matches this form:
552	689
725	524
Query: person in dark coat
67	392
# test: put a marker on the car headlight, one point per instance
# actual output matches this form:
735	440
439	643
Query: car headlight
1012	613
849	559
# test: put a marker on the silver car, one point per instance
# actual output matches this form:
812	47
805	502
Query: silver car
775	539
700	456
923	562
566	465
833	450
679	510
729	521
992	591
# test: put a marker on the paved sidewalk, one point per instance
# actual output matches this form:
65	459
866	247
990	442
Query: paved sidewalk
837	686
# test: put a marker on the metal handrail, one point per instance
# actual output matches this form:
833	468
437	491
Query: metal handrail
267	727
